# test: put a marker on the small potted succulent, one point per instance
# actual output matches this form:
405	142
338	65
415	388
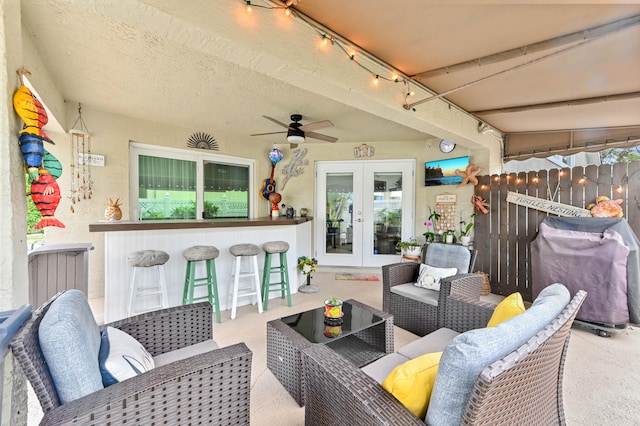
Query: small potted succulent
333	308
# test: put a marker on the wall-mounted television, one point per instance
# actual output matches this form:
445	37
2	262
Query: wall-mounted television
442	172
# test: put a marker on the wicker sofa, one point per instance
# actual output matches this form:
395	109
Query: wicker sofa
212	387
419	310
522	384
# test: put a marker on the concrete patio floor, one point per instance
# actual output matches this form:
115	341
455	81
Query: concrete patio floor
602	375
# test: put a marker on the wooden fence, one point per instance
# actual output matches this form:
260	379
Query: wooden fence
503	236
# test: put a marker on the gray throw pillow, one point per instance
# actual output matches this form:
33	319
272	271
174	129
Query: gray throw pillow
70	340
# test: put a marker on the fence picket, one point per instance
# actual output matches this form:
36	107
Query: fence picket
503	236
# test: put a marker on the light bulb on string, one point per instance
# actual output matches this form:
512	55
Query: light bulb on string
583	179
249	8
619	189
376	80
352	55
287	12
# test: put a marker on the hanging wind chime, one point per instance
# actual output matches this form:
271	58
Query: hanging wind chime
80	157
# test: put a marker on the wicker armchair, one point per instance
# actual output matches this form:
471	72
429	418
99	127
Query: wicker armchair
524	387
415	314
212	388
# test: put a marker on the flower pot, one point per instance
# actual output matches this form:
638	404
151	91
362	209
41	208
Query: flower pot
449	238
465	240
412	251
333	309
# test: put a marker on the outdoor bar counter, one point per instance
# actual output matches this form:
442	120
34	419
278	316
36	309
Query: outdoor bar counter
174	236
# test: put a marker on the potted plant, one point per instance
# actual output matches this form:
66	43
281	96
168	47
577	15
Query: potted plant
465	228
411	247
307	265
449	236
432	220
333	308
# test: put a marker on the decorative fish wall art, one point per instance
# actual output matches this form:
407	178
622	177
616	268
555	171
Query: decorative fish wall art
43	168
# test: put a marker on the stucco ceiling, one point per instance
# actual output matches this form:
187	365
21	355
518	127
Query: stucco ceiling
206	63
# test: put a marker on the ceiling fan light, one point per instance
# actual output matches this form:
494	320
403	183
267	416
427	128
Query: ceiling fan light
295	139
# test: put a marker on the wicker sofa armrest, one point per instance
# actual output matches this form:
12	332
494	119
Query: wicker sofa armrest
340	393
169	329
396	274
213	388
465	313
467	285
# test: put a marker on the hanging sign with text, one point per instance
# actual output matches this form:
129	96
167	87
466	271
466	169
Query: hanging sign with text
546	205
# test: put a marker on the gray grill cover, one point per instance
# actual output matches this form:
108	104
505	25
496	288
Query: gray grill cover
598	255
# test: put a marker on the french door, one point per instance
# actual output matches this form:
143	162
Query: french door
363	208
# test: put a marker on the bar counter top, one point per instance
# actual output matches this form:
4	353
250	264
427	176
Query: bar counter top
143	225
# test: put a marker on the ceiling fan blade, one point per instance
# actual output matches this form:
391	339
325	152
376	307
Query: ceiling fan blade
270	133
276	121
316	126
321	137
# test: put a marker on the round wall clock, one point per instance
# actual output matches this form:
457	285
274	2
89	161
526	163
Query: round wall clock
446	146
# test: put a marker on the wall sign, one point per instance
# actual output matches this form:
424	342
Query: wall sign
546	205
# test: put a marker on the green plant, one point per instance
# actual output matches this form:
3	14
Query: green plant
465	227
449	232
333	301
431	222
412	242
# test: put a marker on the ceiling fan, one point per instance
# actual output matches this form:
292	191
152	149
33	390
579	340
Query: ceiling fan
297	132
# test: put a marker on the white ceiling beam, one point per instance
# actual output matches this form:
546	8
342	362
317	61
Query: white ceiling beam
564	103
552	43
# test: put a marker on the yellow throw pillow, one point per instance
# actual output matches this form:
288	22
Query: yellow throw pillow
511	306
412	382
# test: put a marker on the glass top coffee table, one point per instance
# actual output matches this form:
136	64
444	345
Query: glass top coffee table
364	335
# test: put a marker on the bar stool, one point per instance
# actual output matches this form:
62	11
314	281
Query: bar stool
281	248
250	252
193	255
142	260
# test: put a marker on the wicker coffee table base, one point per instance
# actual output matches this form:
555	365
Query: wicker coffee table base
284	347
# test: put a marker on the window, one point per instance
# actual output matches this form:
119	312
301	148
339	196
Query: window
169	183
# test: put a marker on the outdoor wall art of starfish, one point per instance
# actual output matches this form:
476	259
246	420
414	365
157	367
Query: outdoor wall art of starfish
469	174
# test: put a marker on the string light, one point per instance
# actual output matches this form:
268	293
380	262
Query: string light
583	179
619	189
328	39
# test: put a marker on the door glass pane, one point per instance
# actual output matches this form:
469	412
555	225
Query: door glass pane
387	208
339	229
166	188
226	190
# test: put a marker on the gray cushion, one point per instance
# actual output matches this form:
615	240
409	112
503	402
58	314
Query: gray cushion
184	353
419	294
432	342
470	352
197	253
244	250
379	369
448	256
146	258
276	247
70	341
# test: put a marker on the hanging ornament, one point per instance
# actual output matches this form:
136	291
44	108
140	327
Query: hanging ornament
275	155
80	157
